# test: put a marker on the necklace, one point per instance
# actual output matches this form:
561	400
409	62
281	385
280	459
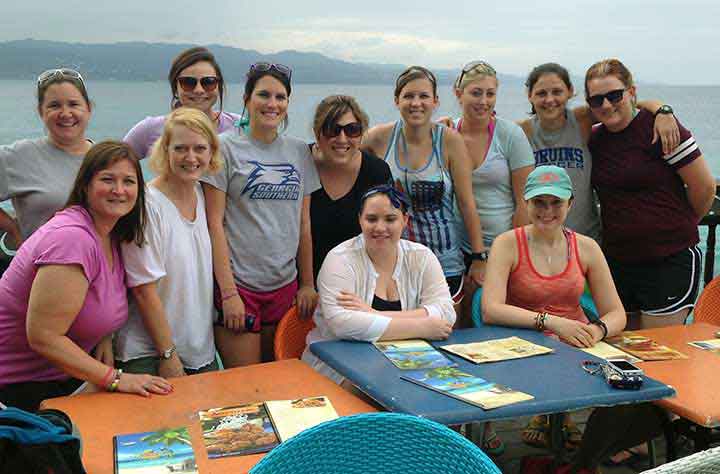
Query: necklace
548	256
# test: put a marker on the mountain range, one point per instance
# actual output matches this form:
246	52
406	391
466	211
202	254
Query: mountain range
138	61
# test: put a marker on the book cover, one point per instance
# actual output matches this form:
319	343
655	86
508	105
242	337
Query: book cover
496	350
290	417
643	347
413	354
154	452
466	387
605	351
712	345
237	430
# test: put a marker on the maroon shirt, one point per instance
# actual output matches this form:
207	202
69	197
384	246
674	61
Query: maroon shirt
645	211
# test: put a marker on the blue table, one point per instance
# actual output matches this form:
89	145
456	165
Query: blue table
557	380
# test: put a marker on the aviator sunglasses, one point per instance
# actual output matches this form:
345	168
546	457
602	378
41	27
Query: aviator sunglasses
281	68
208	83
58	73
352	130
613	97
471	66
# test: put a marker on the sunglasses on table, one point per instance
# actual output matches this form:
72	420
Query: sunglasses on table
281	68
471	66
352	130
613	97
62	73
189	83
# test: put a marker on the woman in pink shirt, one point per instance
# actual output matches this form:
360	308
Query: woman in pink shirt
64	293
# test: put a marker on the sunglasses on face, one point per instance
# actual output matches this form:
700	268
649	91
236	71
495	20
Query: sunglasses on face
613	97
281	68
51	74
189	83
352	130
471	66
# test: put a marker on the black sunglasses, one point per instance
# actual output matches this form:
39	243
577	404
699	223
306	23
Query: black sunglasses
208	83
281	68
352	130
613	97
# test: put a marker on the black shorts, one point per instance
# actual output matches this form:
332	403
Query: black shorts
455	283
28	395
659	288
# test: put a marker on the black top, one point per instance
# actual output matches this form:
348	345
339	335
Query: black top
380	304
335	221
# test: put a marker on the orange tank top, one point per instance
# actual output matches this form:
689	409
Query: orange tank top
557	294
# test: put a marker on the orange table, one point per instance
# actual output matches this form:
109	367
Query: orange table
695	379
100	416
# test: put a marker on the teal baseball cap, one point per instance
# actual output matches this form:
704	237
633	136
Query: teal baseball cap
549	179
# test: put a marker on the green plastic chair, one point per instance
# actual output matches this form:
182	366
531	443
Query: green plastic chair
378	443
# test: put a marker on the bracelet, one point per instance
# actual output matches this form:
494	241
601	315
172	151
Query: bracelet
540	321
108	377
603	326
114	385
231	295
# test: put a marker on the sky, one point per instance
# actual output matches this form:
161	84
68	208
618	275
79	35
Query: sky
661	41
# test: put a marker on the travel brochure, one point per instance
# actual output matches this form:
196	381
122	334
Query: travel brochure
605	351
154	452
712	345
413	354
465	387
259	427
496	350
643	347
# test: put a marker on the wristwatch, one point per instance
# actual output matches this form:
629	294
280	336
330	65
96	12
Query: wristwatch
482	256
664	109
165	355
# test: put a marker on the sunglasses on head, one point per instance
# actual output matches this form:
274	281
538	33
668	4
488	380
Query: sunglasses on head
64	72
428	75
613	97
281	68
472	65
189	83
352	130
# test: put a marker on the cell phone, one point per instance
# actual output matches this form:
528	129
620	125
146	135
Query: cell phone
625	367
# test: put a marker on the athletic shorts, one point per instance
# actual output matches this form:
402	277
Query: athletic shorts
455	283
659	288
268	307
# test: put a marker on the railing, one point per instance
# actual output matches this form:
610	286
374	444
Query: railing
711	220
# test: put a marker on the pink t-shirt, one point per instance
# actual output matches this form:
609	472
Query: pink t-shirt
69	238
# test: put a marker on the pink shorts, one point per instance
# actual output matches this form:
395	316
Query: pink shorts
268	307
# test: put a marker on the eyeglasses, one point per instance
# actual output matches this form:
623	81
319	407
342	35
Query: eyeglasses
398	199
613	97
472	65
189	83
281	68
60	73
352	130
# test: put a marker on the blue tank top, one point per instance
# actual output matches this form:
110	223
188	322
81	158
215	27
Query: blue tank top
432	218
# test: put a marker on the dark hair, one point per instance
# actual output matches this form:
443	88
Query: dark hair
608	67
547	68
397	198
412	73
254	75
331	108
101	156
43	86
186	59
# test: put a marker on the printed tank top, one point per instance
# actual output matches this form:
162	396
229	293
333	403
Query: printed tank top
557	294
432	218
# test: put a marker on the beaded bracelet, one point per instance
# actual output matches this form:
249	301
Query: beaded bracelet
540	321
108	377
114	385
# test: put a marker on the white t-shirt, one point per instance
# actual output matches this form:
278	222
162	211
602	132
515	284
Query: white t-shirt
177	255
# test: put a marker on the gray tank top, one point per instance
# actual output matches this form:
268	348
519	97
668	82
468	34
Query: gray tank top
565	148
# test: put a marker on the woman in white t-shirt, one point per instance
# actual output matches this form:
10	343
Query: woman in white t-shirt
170	328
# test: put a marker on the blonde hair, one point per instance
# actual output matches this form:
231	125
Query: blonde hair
196	121
609	67
473	71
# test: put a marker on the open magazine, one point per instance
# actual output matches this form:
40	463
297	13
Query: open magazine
413	354
154	452
468	388
643	347
259	427
496	350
